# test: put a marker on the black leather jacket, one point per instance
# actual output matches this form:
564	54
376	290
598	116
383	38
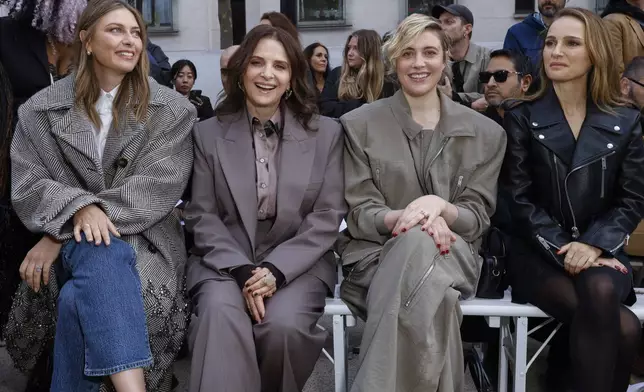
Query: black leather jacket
591	192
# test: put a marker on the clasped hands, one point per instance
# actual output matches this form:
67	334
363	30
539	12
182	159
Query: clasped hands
261	285
90	220
425	211
580	256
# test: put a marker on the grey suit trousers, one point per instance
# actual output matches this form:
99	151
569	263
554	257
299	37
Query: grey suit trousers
412	340
232	354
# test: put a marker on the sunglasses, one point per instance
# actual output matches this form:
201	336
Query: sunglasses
499	76
636	82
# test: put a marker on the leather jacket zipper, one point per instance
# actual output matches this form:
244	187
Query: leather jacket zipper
603	176
554	158
418	286
621	244
575	229
547	245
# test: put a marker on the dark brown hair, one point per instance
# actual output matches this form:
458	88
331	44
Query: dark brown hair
301	102
281	21
6	129
135	82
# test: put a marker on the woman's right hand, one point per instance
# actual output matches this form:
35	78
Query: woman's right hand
441	233
38	261
97	227
611	263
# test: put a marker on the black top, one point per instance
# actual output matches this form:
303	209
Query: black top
331	106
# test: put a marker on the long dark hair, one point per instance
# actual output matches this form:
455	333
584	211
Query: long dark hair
6	128
301	102
308	53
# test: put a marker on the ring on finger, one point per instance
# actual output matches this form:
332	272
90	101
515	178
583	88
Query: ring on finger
38	268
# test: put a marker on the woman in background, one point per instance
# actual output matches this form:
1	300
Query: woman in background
360	79
184	75
317	56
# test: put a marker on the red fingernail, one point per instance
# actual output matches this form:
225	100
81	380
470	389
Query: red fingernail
394	234
431	233
438	246
403	230
250	291
422	229
447	252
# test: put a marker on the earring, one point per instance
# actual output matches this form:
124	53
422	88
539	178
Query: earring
241	87
288	94
89	53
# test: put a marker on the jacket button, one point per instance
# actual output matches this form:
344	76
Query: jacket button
122	162
152	248
541	137
534	124
609	145
617	128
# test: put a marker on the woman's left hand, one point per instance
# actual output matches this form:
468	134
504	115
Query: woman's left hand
426	208
261	283
579	256
441	233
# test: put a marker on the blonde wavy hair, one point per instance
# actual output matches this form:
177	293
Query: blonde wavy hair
603	78
134	92
407	31
366	82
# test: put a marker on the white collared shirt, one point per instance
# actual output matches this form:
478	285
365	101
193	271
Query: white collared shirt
104	108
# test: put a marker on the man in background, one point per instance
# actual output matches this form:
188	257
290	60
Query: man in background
468	59
632	82
527	36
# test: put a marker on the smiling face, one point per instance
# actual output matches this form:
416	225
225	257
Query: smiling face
565	54
421	64
116	44
320	59
268	74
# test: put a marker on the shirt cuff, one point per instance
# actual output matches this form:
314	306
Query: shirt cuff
279	276
465	220
379	220
242	274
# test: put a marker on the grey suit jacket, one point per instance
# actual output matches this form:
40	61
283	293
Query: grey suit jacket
476	61
222	213
56	171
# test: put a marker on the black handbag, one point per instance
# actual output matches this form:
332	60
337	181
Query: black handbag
492	283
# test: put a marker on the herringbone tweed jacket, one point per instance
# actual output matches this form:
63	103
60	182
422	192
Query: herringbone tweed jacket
56	171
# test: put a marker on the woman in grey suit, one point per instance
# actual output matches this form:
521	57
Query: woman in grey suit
420	176
267	201
99	160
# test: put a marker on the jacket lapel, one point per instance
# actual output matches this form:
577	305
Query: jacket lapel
637	28
238	164
120	145
599	135
75	136
296	157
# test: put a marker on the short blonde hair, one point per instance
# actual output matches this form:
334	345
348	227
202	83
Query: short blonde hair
407	31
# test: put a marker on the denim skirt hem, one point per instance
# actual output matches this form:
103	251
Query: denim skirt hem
120	368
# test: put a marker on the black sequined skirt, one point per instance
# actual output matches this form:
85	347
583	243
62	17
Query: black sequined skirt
15	242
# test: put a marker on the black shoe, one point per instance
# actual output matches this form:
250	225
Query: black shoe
175	383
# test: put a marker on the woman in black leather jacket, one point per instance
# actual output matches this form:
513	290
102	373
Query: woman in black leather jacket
575	170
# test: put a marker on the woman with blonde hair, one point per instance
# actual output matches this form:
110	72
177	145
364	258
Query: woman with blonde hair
99	160
420	181
573	171
360	79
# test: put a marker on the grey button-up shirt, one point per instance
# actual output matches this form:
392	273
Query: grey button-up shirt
476	60
266	139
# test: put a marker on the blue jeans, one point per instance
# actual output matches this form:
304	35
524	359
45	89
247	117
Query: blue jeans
101	327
